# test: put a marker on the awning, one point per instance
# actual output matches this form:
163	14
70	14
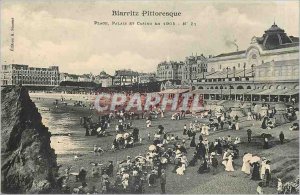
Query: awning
174	91
279	92
290	92
247	91
223	91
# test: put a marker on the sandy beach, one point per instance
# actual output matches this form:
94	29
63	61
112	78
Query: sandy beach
66	120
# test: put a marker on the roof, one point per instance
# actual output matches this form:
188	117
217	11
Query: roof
230	54
274	28
126	73
279	63
275	38
247	91
174	91
231	73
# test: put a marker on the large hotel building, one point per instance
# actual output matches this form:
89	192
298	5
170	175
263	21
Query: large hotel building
15	74
268	70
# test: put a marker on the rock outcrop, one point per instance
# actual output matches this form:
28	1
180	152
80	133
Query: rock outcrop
28	163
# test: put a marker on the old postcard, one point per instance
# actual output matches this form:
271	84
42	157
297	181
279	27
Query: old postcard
149	97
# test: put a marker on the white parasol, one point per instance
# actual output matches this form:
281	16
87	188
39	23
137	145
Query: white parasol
255	159
152	147
118	136
247	157
126	135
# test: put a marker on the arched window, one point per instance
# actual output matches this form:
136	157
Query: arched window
249	87
240	87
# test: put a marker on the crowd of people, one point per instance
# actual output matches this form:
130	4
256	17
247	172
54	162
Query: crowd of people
133	174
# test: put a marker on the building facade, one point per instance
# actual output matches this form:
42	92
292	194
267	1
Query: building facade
194	67
146	77
85	78
125	77
15	74
68	77
169	70
266	70
104	79
273	45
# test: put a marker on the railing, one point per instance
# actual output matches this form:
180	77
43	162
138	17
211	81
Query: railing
222	80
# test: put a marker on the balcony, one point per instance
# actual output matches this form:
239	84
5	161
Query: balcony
225	80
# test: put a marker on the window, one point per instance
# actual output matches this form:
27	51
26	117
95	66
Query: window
220	66
239	65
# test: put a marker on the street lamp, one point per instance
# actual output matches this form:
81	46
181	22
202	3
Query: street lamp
221	87
190	73
234	71
227	71
230	92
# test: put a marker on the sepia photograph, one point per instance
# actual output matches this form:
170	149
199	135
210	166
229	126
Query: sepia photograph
149	97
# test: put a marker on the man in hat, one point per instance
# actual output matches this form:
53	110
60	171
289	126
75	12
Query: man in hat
82	174
249	134
214	163
163	181
151	178
110	169
281	137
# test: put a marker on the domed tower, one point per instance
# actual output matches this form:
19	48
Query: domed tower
274	37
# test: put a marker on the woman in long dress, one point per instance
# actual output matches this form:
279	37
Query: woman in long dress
255	171
266	143
225	159
263	168
249	118
203	129
246	164
180	170
193	143
229	166
264	123
237	126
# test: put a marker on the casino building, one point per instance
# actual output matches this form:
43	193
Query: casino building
268	70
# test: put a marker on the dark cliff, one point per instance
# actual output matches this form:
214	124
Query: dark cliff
28	163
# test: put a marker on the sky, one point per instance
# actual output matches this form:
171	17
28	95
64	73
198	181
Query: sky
63	33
